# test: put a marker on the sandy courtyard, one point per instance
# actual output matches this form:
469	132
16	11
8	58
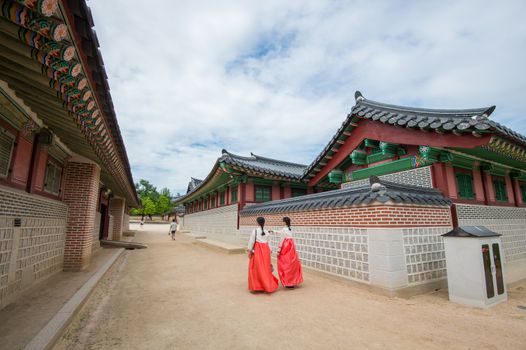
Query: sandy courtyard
177	295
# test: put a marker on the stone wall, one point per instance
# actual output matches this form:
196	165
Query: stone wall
417	177
219	223
393	247
510	222
32	236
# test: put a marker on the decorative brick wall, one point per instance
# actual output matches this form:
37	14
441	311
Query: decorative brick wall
510	222
219	223
34	250
372	216
417	177
424	253
117	211
81	190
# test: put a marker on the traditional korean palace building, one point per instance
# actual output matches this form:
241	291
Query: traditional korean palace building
65	180
405	176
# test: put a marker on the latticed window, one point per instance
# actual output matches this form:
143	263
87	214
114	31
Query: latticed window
213	202
523	192
298	192
234	194
53	178
500	190
263	193
222	198
465	185
7	142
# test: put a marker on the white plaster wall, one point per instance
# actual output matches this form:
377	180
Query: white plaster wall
218	223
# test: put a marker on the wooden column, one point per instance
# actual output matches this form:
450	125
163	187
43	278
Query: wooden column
452	190
490	190
519	201
478	185
509	189
287	191
276	191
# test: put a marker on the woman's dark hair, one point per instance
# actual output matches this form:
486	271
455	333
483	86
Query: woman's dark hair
286	220
261	223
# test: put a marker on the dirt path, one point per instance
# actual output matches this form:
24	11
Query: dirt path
177	295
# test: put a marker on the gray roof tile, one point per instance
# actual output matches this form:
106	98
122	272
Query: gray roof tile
378	190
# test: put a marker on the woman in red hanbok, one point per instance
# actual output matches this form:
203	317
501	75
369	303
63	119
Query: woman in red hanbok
289	265
260	277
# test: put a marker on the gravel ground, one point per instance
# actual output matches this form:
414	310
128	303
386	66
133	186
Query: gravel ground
177	295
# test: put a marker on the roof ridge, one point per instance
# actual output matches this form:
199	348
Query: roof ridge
277	160
360	99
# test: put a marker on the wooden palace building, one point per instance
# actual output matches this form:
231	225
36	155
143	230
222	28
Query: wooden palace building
405	177
65	180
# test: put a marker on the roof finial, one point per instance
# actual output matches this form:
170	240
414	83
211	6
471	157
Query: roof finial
224	151
358	96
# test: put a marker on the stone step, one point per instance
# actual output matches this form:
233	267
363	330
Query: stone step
220	246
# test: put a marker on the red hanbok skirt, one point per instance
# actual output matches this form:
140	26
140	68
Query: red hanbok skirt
260	277
289	265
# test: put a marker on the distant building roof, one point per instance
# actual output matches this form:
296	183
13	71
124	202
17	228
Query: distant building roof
264	165
378	190
193	184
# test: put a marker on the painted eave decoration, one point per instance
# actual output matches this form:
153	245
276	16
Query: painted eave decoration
49	53
459	122
376	192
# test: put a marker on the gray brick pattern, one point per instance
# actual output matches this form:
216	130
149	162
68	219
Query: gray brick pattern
415	177
218	223
510	222
40	240
20	204
424	254
338	251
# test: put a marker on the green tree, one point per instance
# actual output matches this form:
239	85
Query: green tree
163	204
148	206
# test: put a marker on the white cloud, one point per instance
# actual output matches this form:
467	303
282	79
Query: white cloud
278	77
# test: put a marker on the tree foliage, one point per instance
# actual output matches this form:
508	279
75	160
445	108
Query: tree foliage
152	201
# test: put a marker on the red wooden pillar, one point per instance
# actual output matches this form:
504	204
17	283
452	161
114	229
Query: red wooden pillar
38	164
509	189
276	191
518	193
452	190
21	163
490	190
439	177
249	191
287	191
478	185
310	190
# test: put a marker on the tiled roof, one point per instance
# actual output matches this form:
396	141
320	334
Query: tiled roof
443	120
264	165
193	184
378	190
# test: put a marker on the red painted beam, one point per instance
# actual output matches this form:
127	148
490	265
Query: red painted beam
368	129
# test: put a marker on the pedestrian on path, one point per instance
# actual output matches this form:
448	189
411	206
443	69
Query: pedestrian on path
289	265
260	277
173	228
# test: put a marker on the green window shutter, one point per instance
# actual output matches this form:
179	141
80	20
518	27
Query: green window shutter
523	192
263	193
500	190
465	185
222	198
234	195
52	178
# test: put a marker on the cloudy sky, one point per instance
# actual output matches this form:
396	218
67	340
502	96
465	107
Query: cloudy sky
277	77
